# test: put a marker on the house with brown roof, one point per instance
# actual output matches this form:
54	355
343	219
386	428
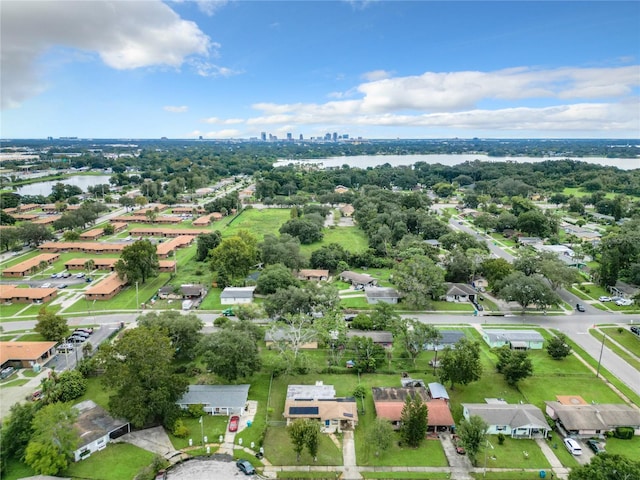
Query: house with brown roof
105	289
314	275
119	226
318	402
24	268
203	221
166	248
389	402
98	263
199	209
48	220
85	247
347	210
26	217
15	294
26	354
166	232
92	234
358	280
166	266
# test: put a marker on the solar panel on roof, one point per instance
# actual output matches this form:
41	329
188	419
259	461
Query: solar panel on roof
303	410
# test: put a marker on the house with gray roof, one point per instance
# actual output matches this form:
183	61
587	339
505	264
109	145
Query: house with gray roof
358	279
437	391
516	339
216	399
385	339
588	420
448	338
96	428
517	420
316	392
460	292
381	295
236	295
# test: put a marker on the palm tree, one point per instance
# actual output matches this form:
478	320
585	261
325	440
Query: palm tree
42	265
89	265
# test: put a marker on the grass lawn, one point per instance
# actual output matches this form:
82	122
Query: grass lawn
10	310
627	339
628	448
34	309
279	450
19	259
32	337
630	359
590	291
15	470
125	300
15	383
561	452
509	475
511	454
96	392
212	300
257	221
352	239
441	306
355	302
117	461
404	475
213	427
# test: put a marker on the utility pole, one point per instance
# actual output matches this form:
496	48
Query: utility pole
600	358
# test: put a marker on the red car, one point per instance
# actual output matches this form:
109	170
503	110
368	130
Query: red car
233	423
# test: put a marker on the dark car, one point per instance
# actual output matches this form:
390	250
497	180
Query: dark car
595	446
87	330
80	333
580	307
245	467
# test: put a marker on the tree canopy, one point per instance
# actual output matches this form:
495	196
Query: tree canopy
230	354
51	326
462	364
138	262
413	427
185	331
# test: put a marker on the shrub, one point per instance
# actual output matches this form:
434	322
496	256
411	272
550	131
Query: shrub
221	321
501	438
180	430
624	433
196	410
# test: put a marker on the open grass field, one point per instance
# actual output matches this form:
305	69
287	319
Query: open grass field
115	462
627	339
257	221
125	300
351	238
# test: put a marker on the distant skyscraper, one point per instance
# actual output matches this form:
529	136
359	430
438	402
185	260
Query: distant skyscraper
263	136
289	136
301	137
327	136
335	136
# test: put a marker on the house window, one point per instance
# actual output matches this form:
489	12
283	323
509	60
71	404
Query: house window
100	441
500	428
327	423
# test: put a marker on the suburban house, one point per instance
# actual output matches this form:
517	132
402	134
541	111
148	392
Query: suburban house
449	338
26	354
165	232
480	284
314	275
347	210
15	294
193	292
389	402
166	248
381	295
85	247
48	220
216	399
385	339
516	339
203	221
318	402
96	428
514	420
25	268
581	419
199	209
98	263
282	335
166	265
237	295
105	289
433	242
358	280
460	292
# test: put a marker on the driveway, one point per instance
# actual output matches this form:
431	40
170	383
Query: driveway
460	464
218	467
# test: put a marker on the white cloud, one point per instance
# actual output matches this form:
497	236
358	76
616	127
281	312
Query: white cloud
222	121
209	7
522	99
124	34
376	75
172	109
208	69
224	133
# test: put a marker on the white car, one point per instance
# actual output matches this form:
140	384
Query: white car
45	285
604	299
623	302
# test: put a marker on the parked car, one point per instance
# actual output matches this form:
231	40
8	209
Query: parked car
54	275
62	285
228	312
88	330
80	275
595	446
456	443
573	446
88	279
624	302
64	347
46	285
6	372
233	423
604	299
80	333
580	307
66	274
245	467
76	339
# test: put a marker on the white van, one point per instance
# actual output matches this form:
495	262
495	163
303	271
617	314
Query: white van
573	446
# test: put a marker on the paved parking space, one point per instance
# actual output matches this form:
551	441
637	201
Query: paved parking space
219	467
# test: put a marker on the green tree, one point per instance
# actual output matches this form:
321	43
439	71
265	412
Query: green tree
472	435
527	290
368	356
89	265
6	219
414	335
305	230
297	430
185	331
312	438
138	262
462	364
17	430
52	327
284	249
126	202
515	365
34	234
108	229
54	439
139	370
558	347
65	387
329	257
230	354
274	277
380	435
420	280
233	258
495	269
207	242
558	273
413	419
71	236
607	466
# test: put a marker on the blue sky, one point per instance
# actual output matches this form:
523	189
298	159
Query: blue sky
376	69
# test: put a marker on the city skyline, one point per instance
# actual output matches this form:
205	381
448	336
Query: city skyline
372	69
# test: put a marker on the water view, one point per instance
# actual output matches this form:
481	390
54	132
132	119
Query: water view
45	188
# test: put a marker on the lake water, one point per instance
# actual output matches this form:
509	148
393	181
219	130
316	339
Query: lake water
45	188
364	161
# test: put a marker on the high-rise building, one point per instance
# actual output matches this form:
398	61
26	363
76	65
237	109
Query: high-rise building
301	137
335	136
289	136
263	136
